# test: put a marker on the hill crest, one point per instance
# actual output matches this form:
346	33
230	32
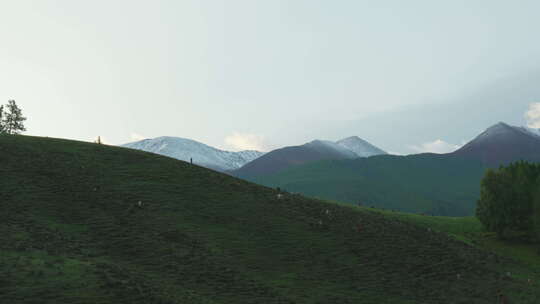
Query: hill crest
201	154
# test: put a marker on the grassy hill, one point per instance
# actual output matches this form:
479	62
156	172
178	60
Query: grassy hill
72	231
469	230
430	183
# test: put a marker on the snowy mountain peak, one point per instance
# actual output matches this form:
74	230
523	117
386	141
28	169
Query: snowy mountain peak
501	144
359	146
503	130
326	145
186	149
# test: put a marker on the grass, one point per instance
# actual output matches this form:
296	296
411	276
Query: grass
470	231
429	183
72	231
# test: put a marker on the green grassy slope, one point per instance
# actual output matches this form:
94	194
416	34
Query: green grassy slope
470	230
430	183
71	231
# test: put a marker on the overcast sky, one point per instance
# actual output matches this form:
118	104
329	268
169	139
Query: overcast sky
408	76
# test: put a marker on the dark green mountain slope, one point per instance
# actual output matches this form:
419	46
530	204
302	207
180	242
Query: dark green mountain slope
72	231
430	183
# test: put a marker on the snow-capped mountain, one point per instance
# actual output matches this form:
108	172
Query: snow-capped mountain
502	143
330	146
359	146
203	155
316	150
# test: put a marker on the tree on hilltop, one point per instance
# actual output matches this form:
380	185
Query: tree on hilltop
1	119
11	121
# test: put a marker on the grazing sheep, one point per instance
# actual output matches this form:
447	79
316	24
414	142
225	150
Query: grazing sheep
502	299
279	196
139	203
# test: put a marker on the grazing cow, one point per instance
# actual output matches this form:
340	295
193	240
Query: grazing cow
359	228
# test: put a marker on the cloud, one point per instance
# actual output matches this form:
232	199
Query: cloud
436	146
136	137
533	115
244	141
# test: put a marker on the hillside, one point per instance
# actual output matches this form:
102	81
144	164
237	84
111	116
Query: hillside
201	154
73	231
430	183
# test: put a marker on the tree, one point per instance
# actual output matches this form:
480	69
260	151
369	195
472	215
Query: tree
536	210
13	121
1	119
490	210
507	198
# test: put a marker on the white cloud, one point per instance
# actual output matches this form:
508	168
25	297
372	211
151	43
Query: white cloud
533	115
244	141
436	146
136	137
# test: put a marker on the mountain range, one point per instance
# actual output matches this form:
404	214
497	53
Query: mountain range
354	171
287	157
210	157
440	184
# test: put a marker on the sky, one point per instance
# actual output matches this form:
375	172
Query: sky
408	76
